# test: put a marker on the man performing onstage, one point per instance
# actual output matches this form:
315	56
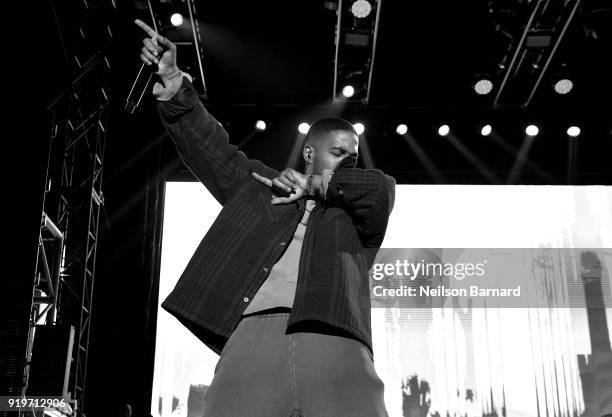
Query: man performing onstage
278	287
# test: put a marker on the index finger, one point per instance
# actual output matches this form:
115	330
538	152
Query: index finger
261	179
146	28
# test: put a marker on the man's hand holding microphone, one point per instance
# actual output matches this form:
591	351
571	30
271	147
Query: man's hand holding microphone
289	186
160	51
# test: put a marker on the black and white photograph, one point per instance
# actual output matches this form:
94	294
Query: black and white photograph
325	208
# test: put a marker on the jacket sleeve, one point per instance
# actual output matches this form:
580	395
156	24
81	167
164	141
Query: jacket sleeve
203	144
368	196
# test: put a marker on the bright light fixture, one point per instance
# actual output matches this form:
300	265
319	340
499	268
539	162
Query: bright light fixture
532	130
361	9
359	128
483	86
303	128
573	131
176	19
402	129
564	86
348	91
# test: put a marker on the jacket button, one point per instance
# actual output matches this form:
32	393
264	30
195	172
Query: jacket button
245	299
283	243
265	269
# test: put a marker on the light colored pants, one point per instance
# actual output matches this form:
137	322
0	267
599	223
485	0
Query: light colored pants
263	372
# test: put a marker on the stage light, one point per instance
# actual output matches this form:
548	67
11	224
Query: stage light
483	86
303	128
260	125
176	19
573	131
359	128
564	86
486	130
348	91
361	9
532	130
443	130
401	129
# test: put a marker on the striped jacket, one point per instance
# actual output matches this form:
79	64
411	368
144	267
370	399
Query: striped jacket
250	234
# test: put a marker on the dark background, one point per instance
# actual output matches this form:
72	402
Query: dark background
274	60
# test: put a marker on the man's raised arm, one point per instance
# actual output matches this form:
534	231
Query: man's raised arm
367	195
201	141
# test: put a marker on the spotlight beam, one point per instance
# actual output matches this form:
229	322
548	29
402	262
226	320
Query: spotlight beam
519	162
295	157
424	158
478	164
247	139
364	152
572	160
528	162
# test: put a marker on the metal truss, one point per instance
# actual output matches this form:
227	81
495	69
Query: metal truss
533	51
189	43
68	240
355	49
78	215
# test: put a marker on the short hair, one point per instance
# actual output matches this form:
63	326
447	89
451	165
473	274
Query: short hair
322	127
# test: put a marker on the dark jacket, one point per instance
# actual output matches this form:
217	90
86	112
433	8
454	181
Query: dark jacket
250	235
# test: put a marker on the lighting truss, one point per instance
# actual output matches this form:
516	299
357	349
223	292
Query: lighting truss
64	275
355	50
187	37
532	50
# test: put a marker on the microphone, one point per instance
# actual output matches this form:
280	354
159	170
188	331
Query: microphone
140	86
347	162
142	81
281	192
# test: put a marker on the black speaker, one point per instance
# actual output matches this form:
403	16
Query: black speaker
51	357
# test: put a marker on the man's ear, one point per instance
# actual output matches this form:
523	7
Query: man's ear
307	153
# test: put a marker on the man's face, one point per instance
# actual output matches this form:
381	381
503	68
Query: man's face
331	150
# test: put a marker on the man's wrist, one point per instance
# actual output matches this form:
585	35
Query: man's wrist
172	80
171	74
